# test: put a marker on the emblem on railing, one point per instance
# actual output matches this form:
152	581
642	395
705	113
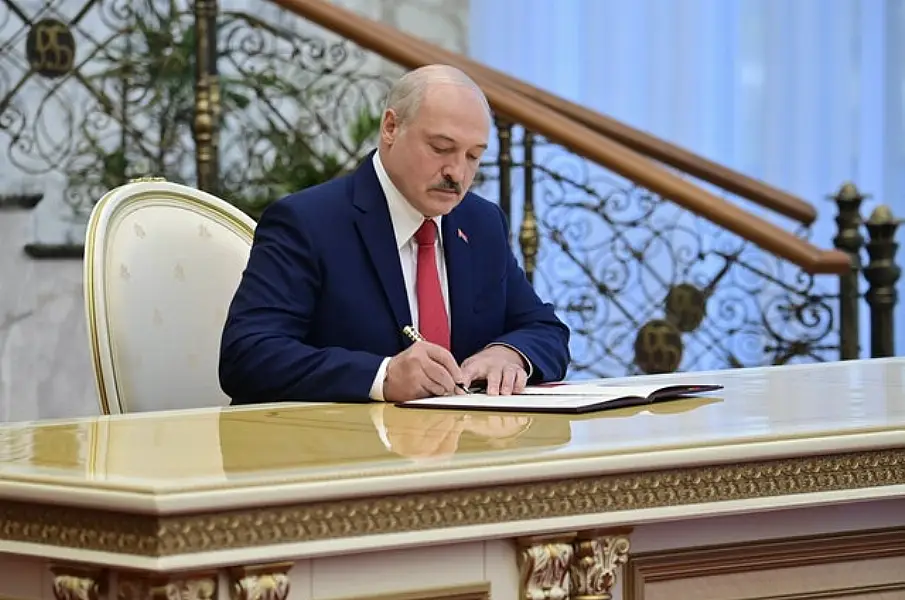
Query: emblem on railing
50	48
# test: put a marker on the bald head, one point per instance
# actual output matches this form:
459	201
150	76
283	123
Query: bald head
407	94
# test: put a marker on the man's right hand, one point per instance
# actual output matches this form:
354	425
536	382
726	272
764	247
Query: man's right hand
422	370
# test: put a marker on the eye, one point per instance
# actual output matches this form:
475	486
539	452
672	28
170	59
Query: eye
473	158
440	150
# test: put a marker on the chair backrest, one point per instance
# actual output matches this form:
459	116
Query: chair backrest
162	262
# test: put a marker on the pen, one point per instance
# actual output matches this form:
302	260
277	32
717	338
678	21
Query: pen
414	335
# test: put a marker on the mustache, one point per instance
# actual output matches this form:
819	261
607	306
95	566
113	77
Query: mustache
448	185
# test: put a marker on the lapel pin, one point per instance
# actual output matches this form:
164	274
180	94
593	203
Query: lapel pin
462	235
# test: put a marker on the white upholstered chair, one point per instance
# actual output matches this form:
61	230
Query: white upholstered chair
162	262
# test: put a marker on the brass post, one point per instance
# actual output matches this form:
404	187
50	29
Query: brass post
882	274
849	239
207	96
528	234
504	161
213	71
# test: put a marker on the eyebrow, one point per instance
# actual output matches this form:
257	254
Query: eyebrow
446	138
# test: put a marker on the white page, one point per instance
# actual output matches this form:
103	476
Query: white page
507	402
591	389
521	401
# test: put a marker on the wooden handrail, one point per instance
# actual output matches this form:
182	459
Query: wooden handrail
742	185
395	46
642	142
659	149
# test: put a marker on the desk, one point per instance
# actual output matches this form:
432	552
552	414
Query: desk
790	481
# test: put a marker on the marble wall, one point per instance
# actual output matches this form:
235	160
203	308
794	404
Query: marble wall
45	371
44	367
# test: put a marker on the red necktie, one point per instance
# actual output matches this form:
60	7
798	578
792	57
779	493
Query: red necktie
432	319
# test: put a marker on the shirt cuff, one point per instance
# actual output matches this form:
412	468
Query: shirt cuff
528	366
379	378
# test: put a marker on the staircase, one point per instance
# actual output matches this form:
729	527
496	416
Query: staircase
652	254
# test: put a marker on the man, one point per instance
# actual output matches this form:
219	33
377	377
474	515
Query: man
337	272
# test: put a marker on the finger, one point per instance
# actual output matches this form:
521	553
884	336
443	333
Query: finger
473	370
427	378
440	381
521	381
430	388
467	377
443	357
494	376
507	382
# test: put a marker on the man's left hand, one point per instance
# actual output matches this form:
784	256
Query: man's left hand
502	368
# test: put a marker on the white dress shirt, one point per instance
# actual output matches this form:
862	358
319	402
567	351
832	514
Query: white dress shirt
406	220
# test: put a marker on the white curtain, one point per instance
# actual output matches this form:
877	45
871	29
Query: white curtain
803	94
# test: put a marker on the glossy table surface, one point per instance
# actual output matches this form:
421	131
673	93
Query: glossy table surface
761	412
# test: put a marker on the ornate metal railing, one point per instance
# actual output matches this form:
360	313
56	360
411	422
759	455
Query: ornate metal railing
255	104
645	286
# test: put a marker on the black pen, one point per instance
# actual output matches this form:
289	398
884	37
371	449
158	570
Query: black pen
414	335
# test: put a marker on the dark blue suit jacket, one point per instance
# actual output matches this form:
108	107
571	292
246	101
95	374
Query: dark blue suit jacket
322	301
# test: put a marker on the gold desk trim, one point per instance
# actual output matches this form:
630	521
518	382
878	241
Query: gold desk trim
841	593
182	586
260	582
161	536
477	591
78	582
746	557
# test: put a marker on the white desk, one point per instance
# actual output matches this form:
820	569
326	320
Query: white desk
791	480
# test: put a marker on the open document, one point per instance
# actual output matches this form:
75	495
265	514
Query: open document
566	398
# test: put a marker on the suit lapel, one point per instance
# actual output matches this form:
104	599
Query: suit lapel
376	231
459	271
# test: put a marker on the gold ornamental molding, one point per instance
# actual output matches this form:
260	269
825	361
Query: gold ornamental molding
598	558
476	591
261	582
162	536
148	179
139	586
543	565
573	566
78	583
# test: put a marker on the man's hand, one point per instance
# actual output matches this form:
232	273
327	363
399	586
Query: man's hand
502	368
422	370
499	430
422	434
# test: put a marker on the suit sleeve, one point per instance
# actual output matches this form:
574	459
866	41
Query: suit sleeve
532	326
263	354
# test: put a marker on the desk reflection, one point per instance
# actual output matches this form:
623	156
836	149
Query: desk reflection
195	449
337	435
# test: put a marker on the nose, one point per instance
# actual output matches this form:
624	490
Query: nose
454	169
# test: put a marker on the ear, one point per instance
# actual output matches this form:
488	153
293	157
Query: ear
389	127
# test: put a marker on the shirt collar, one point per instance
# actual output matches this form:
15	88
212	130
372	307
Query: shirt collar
405	218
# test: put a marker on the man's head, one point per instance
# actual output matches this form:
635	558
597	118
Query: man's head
433	133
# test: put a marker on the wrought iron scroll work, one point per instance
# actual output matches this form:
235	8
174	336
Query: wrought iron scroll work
643	285
647	287
281	106
311	114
